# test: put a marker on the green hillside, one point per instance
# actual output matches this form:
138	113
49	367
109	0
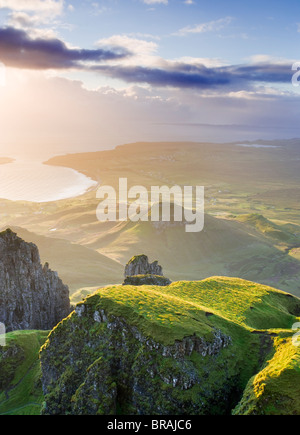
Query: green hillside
246	328
252	226
276	389
180	309
223	248
239	323
20	372
282	233
250	247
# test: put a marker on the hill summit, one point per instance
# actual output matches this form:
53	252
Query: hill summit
212	347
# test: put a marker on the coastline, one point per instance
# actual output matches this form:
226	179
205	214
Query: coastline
37	182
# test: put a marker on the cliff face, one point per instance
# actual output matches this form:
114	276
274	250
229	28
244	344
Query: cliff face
31	296
110	366
138	271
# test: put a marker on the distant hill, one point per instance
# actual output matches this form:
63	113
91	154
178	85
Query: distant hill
187	163
283	234
224	247
252	223
250	247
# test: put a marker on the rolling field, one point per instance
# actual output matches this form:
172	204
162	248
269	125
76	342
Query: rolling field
252	224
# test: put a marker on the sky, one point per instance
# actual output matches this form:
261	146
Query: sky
87	75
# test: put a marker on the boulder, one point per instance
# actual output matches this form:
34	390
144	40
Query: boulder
139	265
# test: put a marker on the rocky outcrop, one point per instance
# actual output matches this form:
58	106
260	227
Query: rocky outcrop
31	296
139	265
139	271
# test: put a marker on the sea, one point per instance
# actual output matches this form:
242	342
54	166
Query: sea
27	180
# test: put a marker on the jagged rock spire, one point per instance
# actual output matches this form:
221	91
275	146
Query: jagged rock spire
31	296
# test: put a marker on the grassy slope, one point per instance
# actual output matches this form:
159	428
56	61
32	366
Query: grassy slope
254	316
276	389
21	392
166	314
181	309
283	234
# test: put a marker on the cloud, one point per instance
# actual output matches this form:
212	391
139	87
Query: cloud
24	20
53	7
196	76
18	49
135	61
211	26
134	45
155	2
75	119
142	52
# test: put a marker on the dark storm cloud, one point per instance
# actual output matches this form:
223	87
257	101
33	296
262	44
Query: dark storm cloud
267	72
18	49
182	75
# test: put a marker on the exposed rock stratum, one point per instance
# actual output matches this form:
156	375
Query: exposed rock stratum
32	296
139	271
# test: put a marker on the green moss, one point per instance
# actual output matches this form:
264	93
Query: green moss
275	390
183	308
20	373
127	362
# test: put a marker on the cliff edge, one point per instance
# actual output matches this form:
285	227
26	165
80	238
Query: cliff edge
32	296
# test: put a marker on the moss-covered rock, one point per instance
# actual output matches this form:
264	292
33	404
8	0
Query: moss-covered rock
188	348
275	390
20	373
110	365
139	265
147	280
